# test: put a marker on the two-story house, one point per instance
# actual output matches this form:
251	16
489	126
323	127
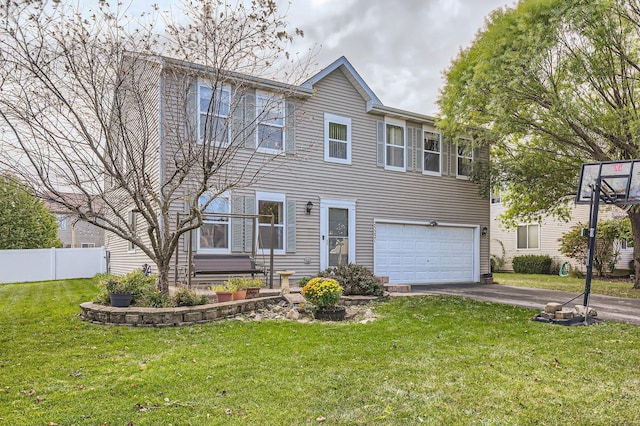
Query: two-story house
358	182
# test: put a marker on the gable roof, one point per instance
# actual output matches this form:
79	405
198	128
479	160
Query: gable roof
374	104
351	73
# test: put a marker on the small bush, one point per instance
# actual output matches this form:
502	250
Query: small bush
532	264
322	292
187	297
136	283
356	280
155	299
303	281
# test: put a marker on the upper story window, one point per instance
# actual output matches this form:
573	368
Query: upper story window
213	113
271	204
337	139
214	235
432	148
395	145
62	221
528	237
465	160
270	120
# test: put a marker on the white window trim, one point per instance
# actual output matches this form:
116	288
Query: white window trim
458	156
528	248
275	99
398	123
225	87
422	151
227	250
278	197
331	118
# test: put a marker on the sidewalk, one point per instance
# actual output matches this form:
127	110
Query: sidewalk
608	308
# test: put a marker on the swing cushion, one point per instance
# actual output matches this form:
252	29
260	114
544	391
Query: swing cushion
219	264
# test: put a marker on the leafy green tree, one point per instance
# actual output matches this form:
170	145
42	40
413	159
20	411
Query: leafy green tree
549	84
25	222
607	251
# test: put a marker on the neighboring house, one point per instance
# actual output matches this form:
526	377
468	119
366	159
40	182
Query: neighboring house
542	238
361	182
73	232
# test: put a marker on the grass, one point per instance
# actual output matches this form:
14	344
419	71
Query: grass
426	360
619	288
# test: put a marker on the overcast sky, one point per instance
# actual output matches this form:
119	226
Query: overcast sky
399	47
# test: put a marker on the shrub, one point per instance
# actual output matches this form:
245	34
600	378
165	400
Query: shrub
187	297
155	299
532	264
355	280
322	292
303	281
136	283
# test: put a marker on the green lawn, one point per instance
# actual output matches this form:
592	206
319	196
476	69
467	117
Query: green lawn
426	360
622	288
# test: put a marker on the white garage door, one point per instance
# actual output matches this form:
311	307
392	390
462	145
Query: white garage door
412	254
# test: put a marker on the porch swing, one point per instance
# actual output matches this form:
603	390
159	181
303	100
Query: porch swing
209	264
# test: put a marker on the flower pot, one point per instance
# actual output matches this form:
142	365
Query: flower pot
239	294
330	313
253	292
120	300
224	296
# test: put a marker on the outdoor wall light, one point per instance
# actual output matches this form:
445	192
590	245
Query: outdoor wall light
433	223
309	207
485	231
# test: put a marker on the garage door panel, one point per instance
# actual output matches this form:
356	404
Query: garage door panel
423	254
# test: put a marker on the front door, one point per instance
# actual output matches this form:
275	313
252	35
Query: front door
337	233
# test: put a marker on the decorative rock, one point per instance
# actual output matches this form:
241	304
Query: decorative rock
580	311
293	314
564	314
294	298
553	307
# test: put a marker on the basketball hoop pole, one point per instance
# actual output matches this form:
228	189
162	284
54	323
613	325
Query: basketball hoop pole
593	224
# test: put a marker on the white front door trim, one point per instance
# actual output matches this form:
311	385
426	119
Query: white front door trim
325	205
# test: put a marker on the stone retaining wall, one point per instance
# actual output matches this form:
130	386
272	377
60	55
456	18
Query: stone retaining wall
163	317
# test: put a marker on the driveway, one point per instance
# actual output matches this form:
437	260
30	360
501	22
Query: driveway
608	308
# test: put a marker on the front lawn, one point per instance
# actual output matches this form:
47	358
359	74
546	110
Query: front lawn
619	288
425	360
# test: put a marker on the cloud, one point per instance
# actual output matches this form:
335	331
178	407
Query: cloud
399	48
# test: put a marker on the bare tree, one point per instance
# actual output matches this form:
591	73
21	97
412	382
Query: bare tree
84	103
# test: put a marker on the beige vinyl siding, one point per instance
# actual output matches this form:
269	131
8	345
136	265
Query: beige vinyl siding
550	231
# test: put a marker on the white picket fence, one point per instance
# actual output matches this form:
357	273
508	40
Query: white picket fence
51	264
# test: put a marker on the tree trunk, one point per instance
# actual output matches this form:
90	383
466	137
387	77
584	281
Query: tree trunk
634	216
163	276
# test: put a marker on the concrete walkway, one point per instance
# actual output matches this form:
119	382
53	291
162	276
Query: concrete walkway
608	308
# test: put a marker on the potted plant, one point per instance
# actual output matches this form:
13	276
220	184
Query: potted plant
253	287
324	294
119	293
238	287
222	293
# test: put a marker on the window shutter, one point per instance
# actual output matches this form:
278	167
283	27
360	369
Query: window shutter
249	208
290	127
236	116
250	119
419	150
185	236
380	143
191	112
237	223
445	156
291	227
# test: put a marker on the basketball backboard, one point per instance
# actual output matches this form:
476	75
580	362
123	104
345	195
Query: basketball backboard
620	182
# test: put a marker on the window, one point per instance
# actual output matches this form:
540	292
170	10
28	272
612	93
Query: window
395	145
271	204
213	114
62	221
337	139
270	118
431	147
465	159
133	222
87	245
528	237
214	234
